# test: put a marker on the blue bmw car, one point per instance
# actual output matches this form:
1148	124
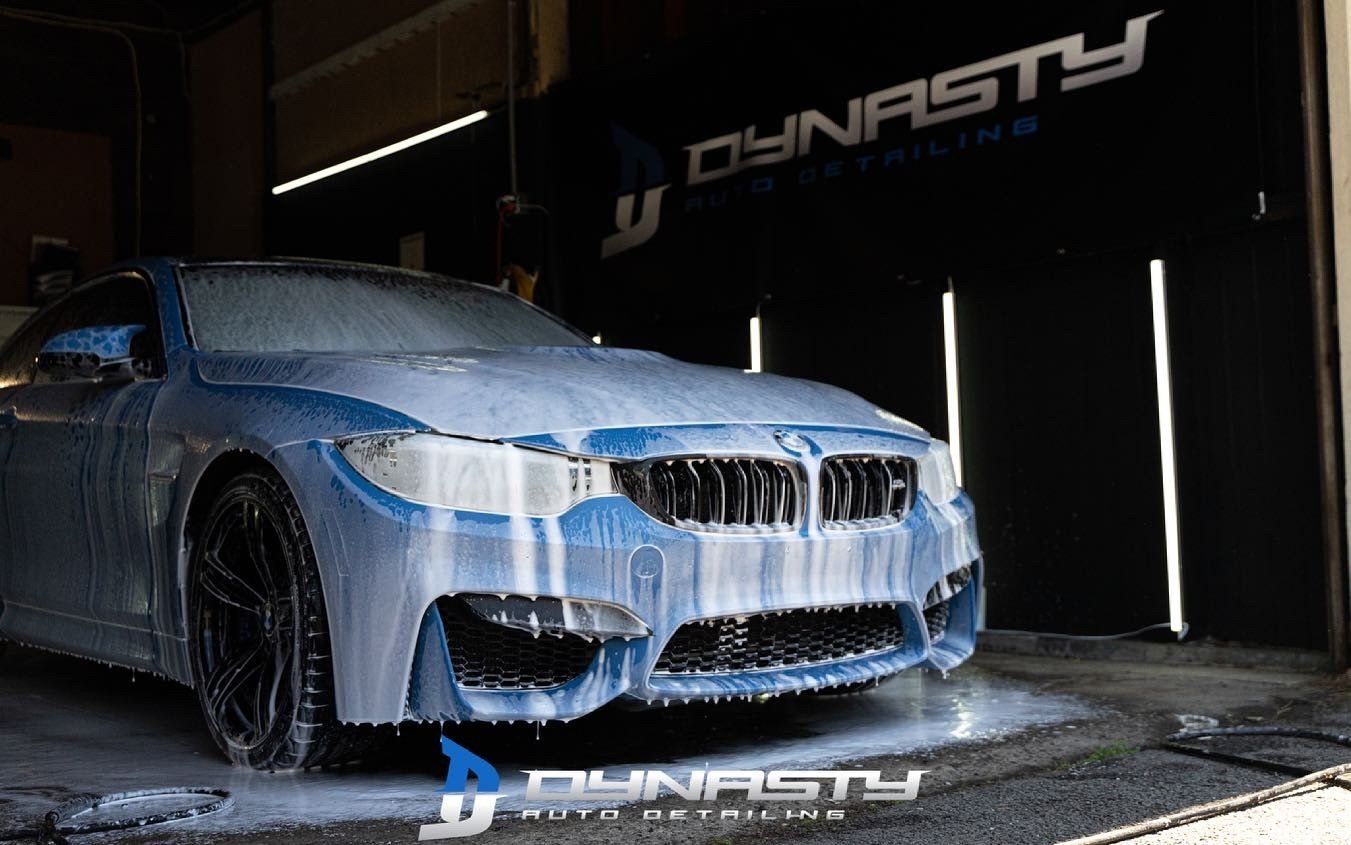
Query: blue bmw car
330	496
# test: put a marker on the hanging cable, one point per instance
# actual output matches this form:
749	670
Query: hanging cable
511	92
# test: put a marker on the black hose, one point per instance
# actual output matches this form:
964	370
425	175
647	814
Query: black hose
52	831
1215	808
1174	744
1263	730
1051	635
1237	759
1305	778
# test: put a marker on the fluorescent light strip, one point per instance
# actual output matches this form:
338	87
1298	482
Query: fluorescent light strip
395	147
953	386
755	345
1164	380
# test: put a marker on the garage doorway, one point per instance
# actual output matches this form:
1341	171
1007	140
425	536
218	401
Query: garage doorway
1062	447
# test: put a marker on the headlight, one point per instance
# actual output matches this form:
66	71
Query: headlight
453	472
936	476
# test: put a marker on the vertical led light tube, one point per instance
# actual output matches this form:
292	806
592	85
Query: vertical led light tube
1164	382
755	344
954	400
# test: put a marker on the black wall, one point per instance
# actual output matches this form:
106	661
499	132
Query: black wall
71	78
1247	453
1062	443
445	188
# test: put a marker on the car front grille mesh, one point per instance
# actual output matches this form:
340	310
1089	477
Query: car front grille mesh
780	639
860	491
485	655
753	494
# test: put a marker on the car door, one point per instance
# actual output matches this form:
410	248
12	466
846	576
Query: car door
18	361
75	485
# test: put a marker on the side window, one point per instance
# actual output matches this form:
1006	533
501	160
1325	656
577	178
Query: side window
19	359
119	301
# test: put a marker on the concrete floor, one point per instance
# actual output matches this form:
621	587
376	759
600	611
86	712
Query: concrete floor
1020	749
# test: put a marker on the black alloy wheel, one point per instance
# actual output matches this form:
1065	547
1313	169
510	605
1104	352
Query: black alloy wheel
259	633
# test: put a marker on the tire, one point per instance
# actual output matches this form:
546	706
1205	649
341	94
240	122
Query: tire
258	634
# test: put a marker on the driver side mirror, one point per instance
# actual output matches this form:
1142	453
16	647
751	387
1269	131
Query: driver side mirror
96	353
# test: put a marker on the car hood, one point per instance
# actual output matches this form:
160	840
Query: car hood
523	391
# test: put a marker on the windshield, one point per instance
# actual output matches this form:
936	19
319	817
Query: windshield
261	308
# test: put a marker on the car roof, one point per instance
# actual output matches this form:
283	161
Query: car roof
155	263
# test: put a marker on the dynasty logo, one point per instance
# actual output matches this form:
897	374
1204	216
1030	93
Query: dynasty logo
952	94
453	821
553	787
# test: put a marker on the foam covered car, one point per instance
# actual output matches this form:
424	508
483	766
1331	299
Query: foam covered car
330	496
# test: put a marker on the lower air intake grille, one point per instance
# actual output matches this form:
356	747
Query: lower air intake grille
938	601
772	640
748	494
936	620
485	655
862	491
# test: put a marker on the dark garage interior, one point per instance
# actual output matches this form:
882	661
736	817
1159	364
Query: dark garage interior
1098	248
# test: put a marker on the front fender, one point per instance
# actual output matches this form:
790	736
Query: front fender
195	425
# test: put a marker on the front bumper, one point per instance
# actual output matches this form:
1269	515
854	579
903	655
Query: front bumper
385	561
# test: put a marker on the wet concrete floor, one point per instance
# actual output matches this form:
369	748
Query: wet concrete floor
70	726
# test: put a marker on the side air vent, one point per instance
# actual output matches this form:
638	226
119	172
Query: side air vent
488	655
864	491
717	494
938	601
